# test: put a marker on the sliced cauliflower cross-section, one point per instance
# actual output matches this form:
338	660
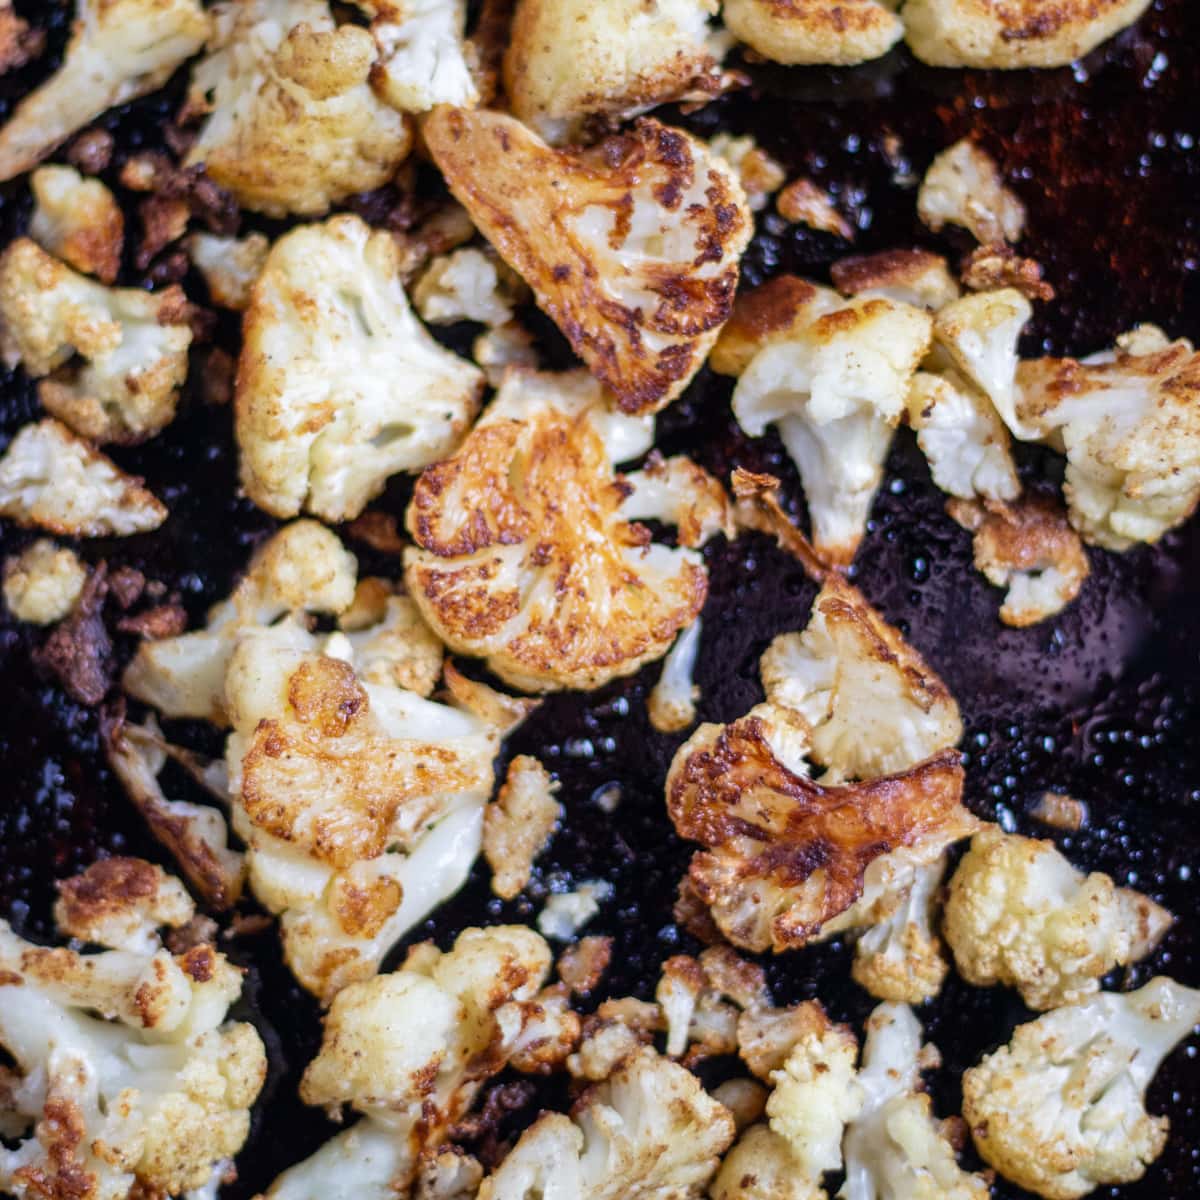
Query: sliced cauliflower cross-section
799	32
524	553
339	385
632	248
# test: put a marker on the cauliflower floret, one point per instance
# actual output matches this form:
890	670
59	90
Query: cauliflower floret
760	175
56	481
126	1070
631	248
43	582
390	641
980	33
895	1148
466	285
569	59
962	437
519	823
1129	424
339	385
293	124
230	265
302	568
1060	1109
836	389
963	186
672	701
134	345
1019	913
119	50
566	913
914	277
648	1132
525	553
504	346
784	31
77	220
761	1166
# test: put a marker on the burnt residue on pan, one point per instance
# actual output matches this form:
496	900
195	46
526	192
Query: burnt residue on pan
1102	703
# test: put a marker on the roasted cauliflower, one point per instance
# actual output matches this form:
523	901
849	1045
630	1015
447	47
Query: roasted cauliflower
672	701
230	265
914	277
111	360
1019	913
963	186
525	553
796	32
43	582
631	248
292	124
518	824
760	175
1060	1110
339	385
466	285
77	220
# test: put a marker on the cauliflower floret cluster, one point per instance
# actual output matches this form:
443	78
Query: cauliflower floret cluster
292	124
119	50
133	345
43	582
77	220
632	248
126	1070
1060	1110
526	548
518	824
784	31
339	385
1019	913
963	186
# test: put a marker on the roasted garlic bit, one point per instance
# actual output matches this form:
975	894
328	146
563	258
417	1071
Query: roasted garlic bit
519	823
801	32
292	124
339	384
51	479
1028	548
527	549
760	175
230	265
1025	33
632	248
77	220
963	186
914	277
569	59
43	582
119	50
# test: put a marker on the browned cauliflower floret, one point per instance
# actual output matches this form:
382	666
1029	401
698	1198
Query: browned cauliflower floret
914	277
632	248
525	551
963	186
77	220
43	582
760	175
56	481
1022	33
119	50
811	31
672	701
390	640
702	1001
518	824
569	59
230	265
293	124
339	385
111	360
1019	913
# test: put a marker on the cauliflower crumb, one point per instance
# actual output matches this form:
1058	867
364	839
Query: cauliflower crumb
963	186
803	202
496	350
566	913
1060	811
519	823
43	582
466	285
914	277
77	220
760	175
997	265
230	265
701	1001
799	34
672	700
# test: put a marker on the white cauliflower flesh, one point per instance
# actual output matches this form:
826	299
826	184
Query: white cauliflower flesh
53	480
119	50
1019	913
566	913
293	124
836	391
759	174
895	1148
1060	1110
963	186
1129	423
230	265
519	823
127	1074
390	641
962	437
132	346
466	285
672	701
525	551
569	59
872	704
761	1166
800	34
979	33
702	999
42	583
914	277
77	220
339	385
632	248
302	568
648	1132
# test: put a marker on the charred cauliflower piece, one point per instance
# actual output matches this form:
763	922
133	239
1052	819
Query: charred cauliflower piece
77	220
524	553
133	345
43	582
128	1078
672	701
569	59
980	33
1019	913
1060	1110
119	50
632	248
914	277
799	32
963	186
292	122
339	385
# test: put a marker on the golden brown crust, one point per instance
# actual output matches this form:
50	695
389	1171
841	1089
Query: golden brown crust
814	31
988	268
773	311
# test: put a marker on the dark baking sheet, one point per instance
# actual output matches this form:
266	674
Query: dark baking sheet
1103	702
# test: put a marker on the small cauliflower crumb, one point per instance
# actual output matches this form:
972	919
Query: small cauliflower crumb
761	176
803	202
566	913
518	824
466	285
43	582
230	265
497	349
963	186
77	220
1060	811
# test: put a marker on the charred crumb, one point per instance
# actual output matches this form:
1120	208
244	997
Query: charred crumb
79	651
